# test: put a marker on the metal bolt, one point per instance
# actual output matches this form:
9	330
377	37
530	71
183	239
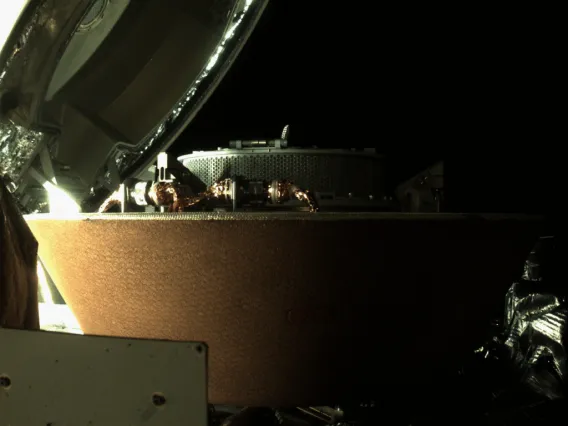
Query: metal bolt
5	382
158	399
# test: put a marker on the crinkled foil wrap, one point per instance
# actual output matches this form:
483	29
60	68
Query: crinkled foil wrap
17	144
536	323
17	148
518	377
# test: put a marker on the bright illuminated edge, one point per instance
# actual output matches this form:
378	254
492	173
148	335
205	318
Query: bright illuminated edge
10	11
282	216
58	318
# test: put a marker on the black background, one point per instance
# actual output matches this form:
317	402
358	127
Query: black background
466	84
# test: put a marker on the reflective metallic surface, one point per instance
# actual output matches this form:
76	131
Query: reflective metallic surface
10	11
178	196
281	191
175	196
115	199
91	33
536	320
243	17
70	69
139	193
221	189
16	41
17	148
307	197
95	15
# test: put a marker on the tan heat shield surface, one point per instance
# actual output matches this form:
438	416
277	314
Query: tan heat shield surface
296	309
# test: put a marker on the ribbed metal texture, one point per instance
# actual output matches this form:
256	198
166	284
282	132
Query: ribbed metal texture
341	172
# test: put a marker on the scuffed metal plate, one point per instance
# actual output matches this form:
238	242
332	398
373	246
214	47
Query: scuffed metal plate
65	379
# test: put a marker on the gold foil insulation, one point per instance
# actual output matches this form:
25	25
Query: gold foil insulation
281	191
177	196
308	198
220	189
174	195
114	199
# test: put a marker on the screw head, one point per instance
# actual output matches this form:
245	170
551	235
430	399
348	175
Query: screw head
158	399
5	381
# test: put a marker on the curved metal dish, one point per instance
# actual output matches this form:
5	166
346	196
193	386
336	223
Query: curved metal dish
110	83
